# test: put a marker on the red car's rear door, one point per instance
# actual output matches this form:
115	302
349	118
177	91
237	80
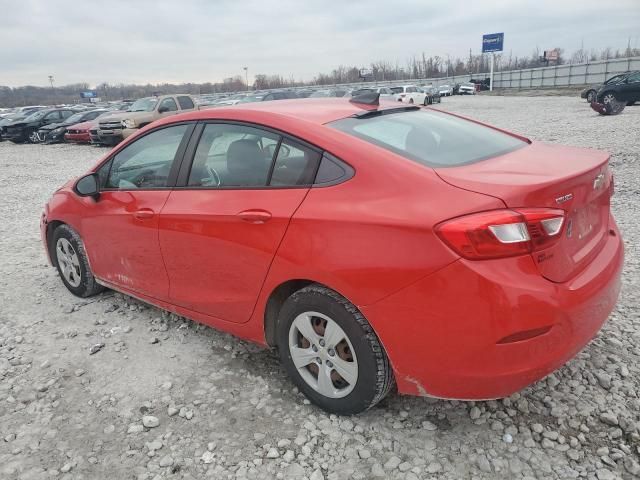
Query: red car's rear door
220	230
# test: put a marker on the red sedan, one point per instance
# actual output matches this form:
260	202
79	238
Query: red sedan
79	133
373	245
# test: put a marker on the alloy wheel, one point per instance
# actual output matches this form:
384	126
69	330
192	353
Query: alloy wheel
323	354
608	98
69	262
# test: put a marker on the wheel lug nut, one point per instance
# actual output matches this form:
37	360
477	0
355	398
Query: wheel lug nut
331	352
314	348
321	343
319	360
329	364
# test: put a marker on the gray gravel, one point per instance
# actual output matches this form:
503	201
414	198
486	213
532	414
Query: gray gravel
166	398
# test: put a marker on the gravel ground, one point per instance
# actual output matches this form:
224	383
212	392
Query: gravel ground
166	398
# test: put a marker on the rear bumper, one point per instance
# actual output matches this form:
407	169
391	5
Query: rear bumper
455	333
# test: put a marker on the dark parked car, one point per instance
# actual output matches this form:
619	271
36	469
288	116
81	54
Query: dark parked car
590	92
9	119
54	132
433	95
26	129
623	88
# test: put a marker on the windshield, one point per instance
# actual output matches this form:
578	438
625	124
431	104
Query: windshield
143	105
35	116
75	118
430	137
614	79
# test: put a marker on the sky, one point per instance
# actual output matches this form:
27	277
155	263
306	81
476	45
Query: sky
157	41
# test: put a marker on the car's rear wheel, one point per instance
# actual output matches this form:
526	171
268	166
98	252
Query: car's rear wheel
331	352
591	96
71	260
411	100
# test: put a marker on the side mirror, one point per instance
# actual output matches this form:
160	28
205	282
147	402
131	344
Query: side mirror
87	186
163	109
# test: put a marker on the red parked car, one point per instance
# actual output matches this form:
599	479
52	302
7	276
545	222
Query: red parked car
79	133
373	245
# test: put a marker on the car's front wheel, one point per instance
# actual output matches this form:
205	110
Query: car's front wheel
331	352
71	260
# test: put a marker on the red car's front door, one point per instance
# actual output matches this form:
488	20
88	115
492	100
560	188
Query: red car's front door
121	237
120	228
221	230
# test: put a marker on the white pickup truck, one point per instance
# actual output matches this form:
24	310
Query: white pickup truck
410	94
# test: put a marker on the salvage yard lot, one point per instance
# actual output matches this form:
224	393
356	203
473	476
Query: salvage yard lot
226	409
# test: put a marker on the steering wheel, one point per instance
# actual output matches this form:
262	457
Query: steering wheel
214	179
147	178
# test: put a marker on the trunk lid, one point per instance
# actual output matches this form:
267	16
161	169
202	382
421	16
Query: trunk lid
575	180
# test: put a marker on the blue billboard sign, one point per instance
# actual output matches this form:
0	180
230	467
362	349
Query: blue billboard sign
89	94
492	42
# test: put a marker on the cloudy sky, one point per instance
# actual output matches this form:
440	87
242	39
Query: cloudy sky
207	40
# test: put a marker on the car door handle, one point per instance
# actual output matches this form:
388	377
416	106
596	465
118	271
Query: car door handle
255	216
144	213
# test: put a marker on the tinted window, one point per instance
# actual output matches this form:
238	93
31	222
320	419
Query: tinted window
52	116
634	78
185	103
397	89
146	162
429	137
66	113
233	156
169	104
332	170
295	165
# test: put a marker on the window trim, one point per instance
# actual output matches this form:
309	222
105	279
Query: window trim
187	160
175	165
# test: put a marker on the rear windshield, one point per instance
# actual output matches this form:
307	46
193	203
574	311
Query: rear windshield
429	137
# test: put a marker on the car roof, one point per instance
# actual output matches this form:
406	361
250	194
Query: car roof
315	110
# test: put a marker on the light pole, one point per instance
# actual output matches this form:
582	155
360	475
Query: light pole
51	81
246	76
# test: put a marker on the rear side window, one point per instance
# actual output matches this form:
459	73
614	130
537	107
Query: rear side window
185	103
295	164
429	137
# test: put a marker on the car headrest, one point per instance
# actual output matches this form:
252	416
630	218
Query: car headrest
243	156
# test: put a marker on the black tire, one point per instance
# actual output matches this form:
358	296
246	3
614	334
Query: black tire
411	100
631	102
426	101
591	96
375	376
87	286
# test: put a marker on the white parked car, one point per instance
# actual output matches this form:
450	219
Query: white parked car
445	90
467	89
410	94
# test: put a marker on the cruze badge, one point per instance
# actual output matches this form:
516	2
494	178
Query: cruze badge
564	198
598	181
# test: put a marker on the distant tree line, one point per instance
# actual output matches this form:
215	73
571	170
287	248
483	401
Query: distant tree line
417	66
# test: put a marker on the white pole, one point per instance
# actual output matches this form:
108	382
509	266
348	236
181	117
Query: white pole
491	77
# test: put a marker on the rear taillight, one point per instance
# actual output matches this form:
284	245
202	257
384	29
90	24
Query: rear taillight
502	233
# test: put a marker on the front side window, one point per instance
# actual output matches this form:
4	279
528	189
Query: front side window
53	116
429	137
233	156
146	163
168	105
296	164
185	102
635	78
